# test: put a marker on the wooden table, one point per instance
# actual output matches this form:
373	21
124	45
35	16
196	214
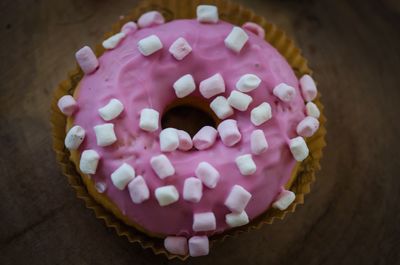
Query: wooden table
352	215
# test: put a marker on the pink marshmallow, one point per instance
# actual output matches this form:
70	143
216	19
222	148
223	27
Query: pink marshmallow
284	92
204	138
307	127
198	246
185	141
192	189
258	143
229	132
212	86
67	105
207	174
138	190
308	88
180	49
162	166
129	27
150	19
254	28
237	199
176	245
87	60
204	222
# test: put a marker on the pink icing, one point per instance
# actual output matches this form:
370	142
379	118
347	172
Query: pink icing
146	82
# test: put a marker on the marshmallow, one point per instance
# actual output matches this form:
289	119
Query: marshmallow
100	187
204	222
237	199
169	140
212	86
122	176
229	132
207	14
89	161
236	39
204	138
207	174
308	88
185	141
192	189
151	18
307	127
180	49
261	114
87	60
284	199
176	245
149	45
284	92
236	219
166	195
184	86
149	120
198	246
129	27
67	105
138	190
248	82
105	134
312	110
111	110
258	143
254	28
246	164
162	166
74	138
239	100
113	41
299	148
221	107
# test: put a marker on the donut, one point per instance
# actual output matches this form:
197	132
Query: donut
179	185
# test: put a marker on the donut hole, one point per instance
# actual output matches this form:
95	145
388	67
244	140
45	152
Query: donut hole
189	114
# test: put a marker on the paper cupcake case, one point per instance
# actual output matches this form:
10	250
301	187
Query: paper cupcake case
177	9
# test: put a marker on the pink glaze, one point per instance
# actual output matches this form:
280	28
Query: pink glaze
146	82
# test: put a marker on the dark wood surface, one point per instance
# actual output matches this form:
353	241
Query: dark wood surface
352	215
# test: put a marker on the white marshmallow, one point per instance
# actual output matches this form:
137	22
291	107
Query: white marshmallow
246	164
129	27
208	174
67	105
312	110
101	187
105	134
185	141
166	195
285	198
239	100
74	138
237	199
89	161
236	219
122	176
221	107
308	88
204	222
169	140
284	92
149	45
184	86
138	190
236	39
212	86
192	189
151	18
248	82
299	148
111	110
162	166
258	143
229	132
149	119
207	14
180	49
113	41
261	114
176	245
87	60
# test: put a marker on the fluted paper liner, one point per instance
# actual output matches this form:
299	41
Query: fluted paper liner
178	9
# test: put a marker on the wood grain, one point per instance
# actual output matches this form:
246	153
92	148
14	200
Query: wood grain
352	215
